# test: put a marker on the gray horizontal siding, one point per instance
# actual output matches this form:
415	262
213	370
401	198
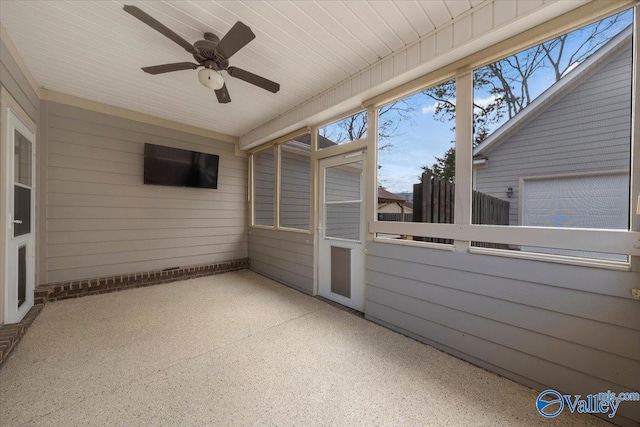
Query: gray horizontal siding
295	190
587	130
575	329
264	187
284	256
343	184
343	221
15	82
101	218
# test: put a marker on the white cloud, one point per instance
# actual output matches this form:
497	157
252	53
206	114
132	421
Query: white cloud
483	102
430	108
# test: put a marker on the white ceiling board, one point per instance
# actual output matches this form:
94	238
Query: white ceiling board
294	42
92	49
525	6
335	29
276	46
396	21
437	11
332	47
357	27
416	16
451	41
365	12
457	7
264	50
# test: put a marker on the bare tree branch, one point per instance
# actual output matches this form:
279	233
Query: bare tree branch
509	81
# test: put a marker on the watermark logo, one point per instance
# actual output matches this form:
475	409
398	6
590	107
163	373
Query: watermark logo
550	403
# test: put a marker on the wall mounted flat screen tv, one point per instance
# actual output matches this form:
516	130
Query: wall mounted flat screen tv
179	168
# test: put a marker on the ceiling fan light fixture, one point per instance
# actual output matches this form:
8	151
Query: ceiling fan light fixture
210	78
212	53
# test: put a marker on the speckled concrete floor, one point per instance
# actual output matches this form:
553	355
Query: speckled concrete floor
239	349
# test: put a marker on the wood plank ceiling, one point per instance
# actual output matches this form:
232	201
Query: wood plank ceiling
94	50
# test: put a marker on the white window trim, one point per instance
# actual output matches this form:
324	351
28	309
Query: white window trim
336	119
276	186
463	232
575	174
277	161
464	156
634	219
610	241
319	153
414	243
252	189
557	259
522	180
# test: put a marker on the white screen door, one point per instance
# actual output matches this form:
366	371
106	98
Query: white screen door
20	265
342	229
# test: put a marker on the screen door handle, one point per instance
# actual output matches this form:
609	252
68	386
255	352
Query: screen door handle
17	221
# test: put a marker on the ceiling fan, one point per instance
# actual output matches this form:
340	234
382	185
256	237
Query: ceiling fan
212	54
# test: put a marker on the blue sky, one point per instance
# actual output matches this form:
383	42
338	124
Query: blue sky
419	140
415	144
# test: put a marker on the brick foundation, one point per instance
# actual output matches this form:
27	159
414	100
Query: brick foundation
101	285
10	335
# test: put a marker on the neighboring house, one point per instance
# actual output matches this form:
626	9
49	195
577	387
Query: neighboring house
389	203
578	132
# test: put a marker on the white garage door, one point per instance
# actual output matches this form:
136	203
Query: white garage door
597	201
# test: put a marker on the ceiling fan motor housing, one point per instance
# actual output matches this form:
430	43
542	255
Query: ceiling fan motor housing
206	53
212	37
212	54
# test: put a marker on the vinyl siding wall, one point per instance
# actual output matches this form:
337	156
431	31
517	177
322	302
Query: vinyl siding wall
343	183
264	187
102	219
587	130
285	256
16	84
295	190
574	329
14	81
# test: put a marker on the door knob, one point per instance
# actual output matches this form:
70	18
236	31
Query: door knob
17	221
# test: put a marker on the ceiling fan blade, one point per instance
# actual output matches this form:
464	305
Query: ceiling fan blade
167	68
156	25
253	79
223	95
237	38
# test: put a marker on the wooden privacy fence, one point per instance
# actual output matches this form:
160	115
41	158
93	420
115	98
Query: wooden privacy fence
434	201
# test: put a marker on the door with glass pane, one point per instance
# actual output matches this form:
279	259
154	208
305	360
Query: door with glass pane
20	265
342	229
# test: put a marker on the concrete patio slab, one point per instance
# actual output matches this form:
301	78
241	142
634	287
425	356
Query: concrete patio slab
240	349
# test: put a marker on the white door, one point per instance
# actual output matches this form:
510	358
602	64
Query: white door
20	262
341	229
